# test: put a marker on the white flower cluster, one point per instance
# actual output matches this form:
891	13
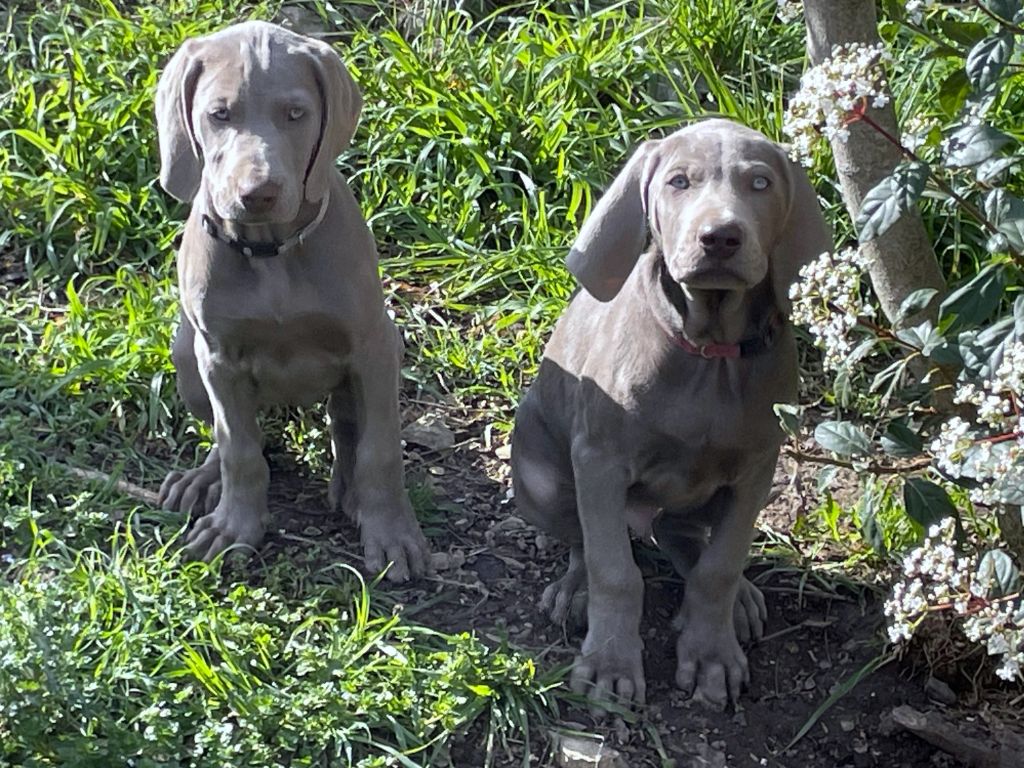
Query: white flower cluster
935	579
827	300
789	10
916	9
991	449
832	93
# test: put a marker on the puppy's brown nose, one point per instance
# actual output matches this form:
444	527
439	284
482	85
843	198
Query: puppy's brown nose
720	241
261	197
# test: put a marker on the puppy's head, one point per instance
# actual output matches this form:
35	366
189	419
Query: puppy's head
723	204
259	114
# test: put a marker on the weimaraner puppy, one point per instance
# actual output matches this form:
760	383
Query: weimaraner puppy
281	301
653	406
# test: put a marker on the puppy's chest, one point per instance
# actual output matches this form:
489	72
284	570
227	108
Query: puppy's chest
283	335
687	454
295	361
673	474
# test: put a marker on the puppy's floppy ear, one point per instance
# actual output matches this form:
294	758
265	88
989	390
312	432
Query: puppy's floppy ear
805	237
181	159
340	105
615	233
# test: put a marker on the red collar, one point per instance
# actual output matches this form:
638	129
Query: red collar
745	348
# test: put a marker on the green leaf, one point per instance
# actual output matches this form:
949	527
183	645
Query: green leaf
842	438
901	440
1007	213
925	502
965	33
842	386
891	198
923	337
974	302
823	481
974	144
992	169
789	417
978	347
1004	9
953	92
987	59
915	302
947	353
998	568
867	518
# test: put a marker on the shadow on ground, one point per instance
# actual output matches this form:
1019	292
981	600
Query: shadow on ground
493	568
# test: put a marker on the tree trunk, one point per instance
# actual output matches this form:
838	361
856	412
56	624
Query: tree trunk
903	259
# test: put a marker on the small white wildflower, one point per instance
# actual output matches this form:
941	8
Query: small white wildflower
899	631
1010	373
951	444
832	92
1010	670
915	132
789	10
996	439
916	9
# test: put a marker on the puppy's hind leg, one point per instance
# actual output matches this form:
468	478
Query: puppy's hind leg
545	495
565	599
197	488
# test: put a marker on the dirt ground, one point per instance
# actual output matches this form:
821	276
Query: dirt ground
493	568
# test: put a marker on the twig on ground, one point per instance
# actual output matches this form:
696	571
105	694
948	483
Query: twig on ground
941	732
809	623
878	469
136	492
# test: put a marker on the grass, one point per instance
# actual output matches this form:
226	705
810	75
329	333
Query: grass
485	139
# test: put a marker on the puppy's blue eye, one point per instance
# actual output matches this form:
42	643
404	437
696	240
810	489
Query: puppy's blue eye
761	183
679	182
296	113
220	114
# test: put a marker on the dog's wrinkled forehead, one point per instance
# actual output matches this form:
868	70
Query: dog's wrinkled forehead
253	61
715	147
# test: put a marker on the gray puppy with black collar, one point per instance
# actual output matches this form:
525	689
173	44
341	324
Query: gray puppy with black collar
281	301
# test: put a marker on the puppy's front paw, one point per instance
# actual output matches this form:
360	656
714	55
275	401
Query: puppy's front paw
610	669
227	526
712	666
395	538
192	490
